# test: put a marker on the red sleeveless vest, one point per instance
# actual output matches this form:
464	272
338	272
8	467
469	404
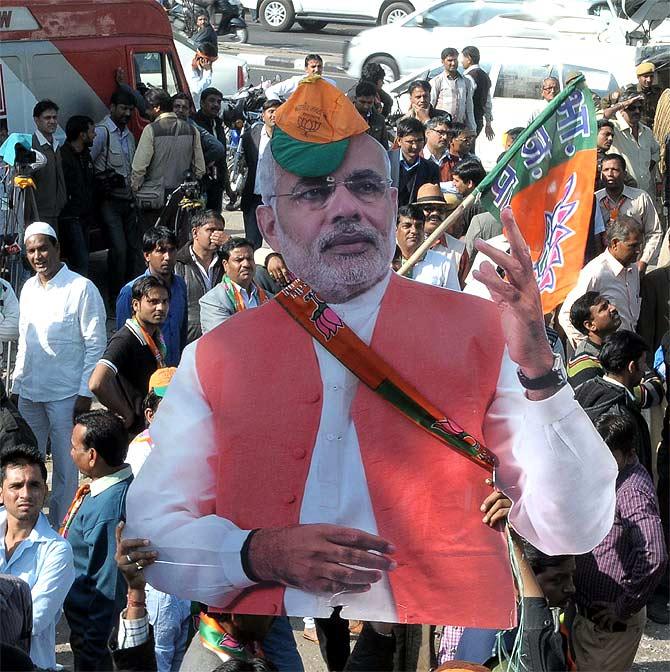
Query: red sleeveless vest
260	375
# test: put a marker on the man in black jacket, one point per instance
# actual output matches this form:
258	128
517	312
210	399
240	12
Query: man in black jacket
75	217
364	101
481	98
254	143
623	357
200	263
208	117
409	170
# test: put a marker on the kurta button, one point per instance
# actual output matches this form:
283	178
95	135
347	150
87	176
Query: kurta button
290	499
299	453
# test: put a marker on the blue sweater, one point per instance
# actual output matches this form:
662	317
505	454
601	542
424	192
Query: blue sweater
98	593
175	328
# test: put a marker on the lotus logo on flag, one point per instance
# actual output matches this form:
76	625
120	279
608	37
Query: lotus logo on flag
547	177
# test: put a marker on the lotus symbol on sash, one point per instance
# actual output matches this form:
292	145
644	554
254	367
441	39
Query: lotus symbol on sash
448	426
308	124
325	319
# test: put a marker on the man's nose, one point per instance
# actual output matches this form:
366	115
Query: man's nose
343	202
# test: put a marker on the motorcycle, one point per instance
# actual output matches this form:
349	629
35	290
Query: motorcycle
240	112
182	14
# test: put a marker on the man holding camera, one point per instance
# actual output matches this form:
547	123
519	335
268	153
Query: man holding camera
112	153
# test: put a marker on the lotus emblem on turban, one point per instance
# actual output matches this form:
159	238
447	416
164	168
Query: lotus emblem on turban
308	124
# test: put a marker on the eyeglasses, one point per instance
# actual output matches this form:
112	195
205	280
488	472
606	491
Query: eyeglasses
550	88
444	132
366	188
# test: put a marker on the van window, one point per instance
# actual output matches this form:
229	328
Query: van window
155	69
520	80
599	81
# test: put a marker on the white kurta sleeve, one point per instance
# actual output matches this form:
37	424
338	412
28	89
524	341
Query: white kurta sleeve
553	465
172	501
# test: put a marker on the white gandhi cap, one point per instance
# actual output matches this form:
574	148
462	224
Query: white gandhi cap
39	227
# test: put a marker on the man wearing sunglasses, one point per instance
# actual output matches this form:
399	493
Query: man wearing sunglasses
302	488
633	140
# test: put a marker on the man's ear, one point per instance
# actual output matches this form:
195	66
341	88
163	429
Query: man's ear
267	223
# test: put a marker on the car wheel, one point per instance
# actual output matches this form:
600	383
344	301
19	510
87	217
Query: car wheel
390	67
277	15
395	12
312	26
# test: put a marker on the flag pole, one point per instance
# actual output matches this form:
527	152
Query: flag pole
486	183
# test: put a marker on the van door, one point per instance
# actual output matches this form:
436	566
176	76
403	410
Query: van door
516	96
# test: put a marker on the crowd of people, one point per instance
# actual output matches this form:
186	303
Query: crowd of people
583	611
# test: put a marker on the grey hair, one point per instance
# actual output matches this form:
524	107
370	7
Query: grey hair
622	227
440	120
267	174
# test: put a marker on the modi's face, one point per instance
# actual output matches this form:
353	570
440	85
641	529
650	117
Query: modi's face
336	232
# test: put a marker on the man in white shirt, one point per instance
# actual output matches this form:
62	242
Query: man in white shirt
452	92
31	549
617	198
434	268
9	314
61	338
282	90
614	274
322	451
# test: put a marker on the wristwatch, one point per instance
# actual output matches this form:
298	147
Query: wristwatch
555	377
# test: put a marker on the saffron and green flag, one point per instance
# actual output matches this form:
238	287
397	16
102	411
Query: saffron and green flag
547	177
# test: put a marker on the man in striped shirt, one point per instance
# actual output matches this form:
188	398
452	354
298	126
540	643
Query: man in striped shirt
616	579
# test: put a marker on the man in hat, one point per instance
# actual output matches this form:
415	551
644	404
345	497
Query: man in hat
61	337
436	208
322	494
645	85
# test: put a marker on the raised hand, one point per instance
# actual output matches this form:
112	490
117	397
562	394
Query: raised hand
518	299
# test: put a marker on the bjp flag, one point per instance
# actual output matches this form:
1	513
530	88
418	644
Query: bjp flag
547	177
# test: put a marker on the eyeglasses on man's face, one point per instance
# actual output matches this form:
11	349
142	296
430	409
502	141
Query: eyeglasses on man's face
368	187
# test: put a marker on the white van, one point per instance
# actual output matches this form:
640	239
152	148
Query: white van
516	78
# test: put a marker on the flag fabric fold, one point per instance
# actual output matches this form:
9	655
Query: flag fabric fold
547	177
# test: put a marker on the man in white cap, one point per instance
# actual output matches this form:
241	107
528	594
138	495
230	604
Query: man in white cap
61	338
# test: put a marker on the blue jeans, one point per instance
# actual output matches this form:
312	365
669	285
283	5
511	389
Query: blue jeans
280	647
169	617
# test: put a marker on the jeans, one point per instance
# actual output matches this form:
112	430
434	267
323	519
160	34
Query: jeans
169	617
280	647
74	241
53	420
119	218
